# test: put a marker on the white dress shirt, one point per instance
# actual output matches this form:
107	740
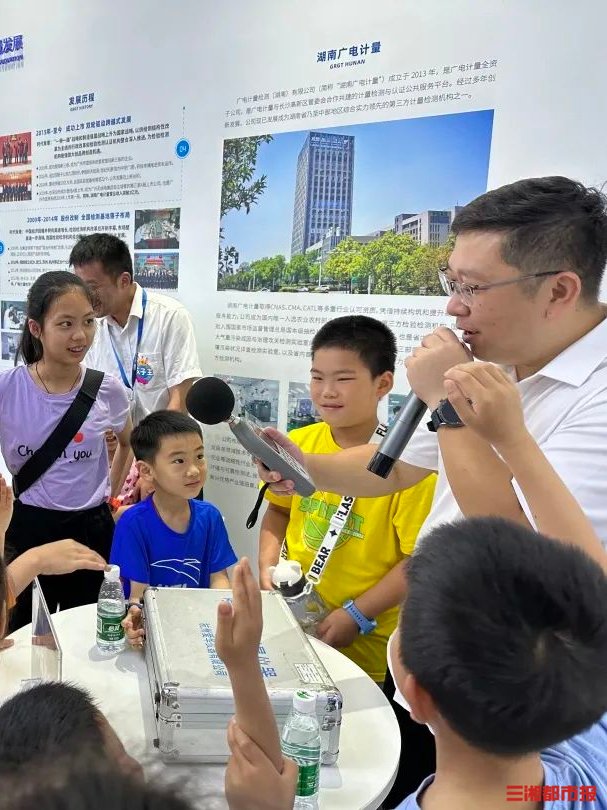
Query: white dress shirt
565	407
167	353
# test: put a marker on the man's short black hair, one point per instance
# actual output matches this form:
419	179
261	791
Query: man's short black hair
106	248
149	433
507	631
371	339
45	721
548	223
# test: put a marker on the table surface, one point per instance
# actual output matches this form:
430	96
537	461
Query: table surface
369	741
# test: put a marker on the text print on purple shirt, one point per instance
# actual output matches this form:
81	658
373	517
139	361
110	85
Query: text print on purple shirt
79	479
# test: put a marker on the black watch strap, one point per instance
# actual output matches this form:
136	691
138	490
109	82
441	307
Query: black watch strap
444	415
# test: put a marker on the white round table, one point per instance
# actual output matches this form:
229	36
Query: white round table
369	741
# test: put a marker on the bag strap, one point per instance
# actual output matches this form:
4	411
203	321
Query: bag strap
70	423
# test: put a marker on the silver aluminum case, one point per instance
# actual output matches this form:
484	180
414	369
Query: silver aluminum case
193	702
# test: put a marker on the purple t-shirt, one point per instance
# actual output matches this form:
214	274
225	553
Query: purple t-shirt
79	479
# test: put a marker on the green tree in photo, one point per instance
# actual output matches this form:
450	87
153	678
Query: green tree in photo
392	264
346	266
239	163
238	190
299	269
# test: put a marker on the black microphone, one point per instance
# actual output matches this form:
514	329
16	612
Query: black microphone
211	401
398	436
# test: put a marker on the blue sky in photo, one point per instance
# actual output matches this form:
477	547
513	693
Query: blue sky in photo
408	165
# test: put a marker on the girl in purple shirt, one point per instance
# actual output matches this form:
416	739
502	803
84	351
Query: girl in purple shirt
70	498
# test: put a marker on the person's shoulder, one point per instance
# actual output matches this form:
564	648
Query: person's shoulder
112	387
12	375
412	800
583	757
135	515
164	303
203	510
13	379
309	436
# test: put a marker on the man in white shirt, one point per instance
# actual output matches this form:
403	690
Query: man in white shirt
523	280
143	338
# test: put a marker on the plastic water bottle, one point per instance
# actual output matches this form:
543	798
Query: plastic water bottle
300	742
300	595
111	610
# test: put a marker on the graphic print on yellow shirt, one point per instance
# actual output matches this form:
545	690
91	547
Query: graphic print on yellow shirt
317	515
379	533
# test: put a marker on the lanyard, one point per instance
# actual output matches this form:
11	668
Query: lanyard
131	385
336	526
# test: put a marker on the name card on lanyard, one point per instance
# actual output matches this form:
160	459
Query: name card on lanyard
130	384
336	526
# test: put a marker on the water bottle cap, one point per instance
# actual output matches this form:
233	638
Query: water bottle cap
287	572
305	701
113	574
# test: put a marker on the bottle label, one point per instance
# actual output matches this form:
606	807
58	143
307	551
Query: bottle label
110	629
307	781
309	773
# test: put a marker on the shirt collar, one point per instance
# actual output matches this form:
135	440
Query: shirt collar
136	310
577	362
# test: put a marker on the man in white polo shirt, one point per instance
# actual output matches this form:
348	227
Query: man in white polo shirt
143	338
523	281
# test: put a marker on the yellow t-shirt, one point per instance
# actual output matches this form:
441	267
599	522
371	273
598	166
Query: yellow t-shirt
380	532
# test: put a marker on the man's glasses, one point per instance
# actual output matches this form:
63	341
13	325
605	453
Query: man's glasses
467	291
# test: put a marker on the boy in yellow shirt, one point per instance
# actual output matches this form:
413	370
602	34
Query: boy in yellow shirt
363	582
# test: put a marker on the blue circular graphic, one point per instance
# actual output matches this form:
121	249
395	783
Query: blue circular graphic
1	248
182	150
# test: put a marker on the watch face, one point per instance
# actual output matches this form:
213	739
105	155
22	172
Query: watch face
448	413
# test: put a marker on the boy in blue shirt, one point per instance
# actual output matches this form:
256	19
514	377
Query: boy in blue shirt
170	539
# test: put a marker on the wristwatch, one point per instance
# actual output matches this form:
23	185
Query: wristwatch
444	415
366	625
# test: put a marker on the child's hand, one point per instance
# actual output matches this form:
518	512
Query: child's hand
339	629
6	509
252	782
487	401
239	625
133	628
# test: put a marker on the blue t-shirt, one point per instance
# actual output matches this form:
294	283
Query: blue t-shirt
578	762
149	551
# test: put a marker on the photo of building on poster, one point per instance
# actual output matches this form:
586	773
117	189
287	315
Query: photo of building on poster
157	271
15	167
355	209
300	409
255	398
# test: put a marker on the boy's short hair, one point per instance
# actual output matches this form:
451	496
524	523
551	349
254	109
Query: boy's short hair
371	339
48	720
506	630
149	433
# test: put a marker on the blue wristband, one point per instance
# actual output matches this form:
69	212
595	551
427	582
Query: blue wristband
366	625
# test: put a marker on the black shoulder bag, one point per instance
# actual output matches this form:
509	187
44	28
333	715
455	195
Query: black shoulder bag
71	422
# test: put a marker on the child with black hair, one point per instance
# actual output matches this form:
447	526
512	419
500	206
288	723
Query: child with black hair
70	498
170	539
353	363
502	641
